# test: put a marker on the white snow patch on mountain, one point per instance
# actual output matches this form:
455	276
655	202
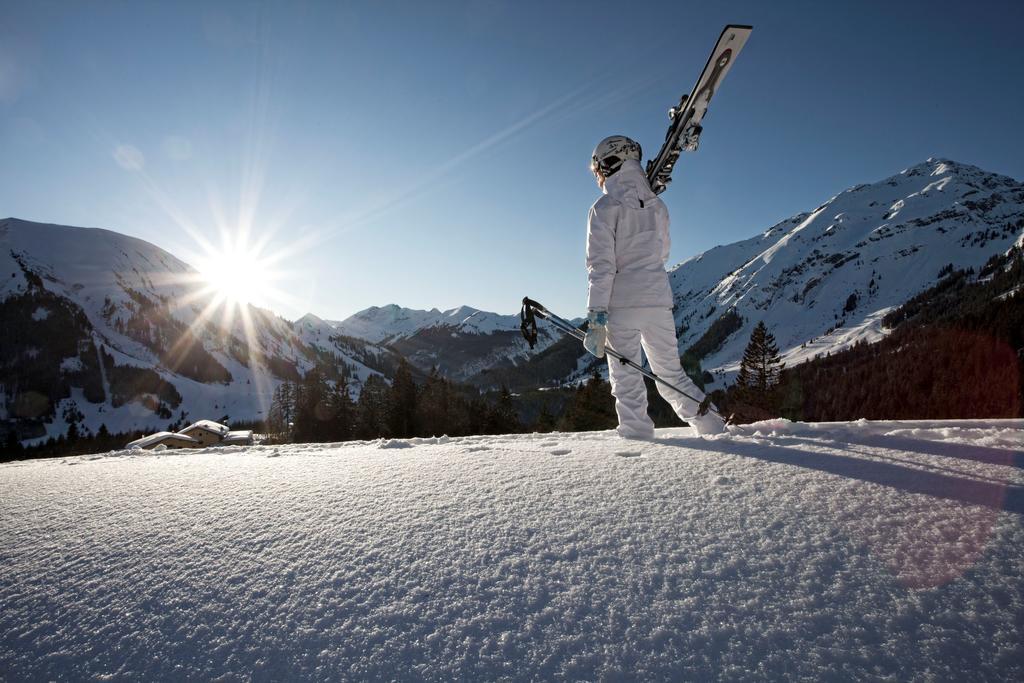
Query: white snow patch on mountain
889	551
385	324
821	281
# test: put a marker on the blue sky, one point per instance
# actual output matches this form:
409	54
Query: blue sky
435	154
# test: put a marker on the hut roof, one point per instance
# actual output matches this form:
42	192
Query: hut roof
242	436
208	425
154	439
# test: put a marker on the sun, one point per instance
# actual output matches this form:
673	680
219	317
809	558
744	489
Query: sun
238	274
238	278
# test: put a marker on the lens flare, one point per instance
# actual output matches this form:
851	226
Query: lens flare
239	274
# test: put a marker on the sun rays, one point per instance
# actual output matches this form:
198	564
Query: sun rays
239	268
238	272
247	245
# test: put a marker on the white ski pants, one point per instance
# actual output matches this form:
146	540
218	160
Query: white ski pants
654	330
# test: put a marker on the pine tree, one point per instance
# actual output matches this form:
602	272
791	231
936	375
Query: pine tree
373	409
12	447
282	409
341	425
501	417
545	420
313	409
759	375
591	408
434	407
403	403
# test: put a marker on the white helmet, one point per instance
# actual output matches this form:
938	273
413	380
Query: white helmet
611	152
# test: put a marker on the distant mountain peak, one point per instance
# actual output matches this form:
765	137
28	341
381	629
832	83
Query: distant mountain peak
311	319
461	341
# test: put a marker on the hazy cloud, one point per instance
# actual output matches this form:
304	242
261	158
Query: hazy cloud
177	147
129	157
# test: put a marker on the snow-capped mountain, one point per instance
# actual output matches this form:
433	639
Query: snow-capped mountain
461	342
823	279
384	324
102	328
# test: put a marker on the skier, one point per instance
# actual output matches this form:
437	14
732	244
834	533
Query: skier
629	300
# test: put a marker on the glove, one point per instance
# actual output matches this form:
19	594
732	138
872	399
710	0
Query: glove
597	333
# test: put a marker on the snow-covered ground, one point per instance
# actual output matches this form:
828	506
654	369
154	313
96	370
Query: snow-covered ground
878	551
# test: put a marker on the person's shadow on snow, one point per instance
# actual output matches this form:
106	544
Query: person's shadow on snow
965	488
985	454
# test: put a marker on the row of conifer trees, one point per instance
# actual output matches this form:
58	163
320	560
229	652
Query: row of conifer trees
314	409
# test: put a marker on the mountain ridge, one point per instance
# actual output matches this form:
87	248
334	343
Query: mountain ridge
822	280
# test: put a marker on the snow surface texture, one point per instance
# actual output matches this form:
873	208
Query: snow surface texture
878	551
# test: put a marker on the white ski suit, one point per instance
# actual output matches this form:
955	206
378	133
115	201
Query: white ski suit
627	249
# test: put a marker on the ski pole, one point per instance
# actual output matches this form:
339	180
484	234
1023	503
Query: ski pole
529	329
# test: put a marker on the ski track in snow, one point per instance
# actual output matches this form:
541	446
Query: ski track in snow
868	550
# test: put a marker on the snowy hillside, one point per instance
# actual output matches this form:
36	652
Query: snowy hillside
823	280
859	551
461	342
116	331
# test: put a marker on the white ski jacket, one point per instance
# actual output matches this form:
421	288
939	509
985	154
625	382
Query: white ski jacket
628	244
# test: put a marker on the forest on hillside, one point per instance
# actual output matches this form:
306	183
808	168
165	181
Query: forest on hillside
956	350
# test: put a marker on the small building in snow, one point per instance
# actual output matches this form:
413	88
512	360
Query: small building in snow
166	439
206	432
241	437
197	435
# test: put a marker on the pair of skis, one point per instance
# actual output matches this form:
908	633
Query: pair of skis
684	132
683	136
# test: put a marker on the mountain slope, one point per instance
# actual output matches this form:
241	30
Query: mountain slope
952	351
102	328
823	280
